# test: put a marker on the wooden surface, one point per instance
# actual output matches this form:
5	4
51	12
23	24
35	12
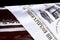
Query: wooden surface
7	16
22	35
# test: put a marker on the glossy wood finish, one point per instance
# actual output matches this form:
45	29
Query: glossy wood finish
19	35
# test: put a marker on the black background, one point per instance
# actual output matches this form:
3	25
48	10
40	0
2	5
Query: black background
24	2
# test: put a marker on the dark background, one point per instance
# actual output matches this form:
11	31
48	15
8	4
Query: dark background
24	2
